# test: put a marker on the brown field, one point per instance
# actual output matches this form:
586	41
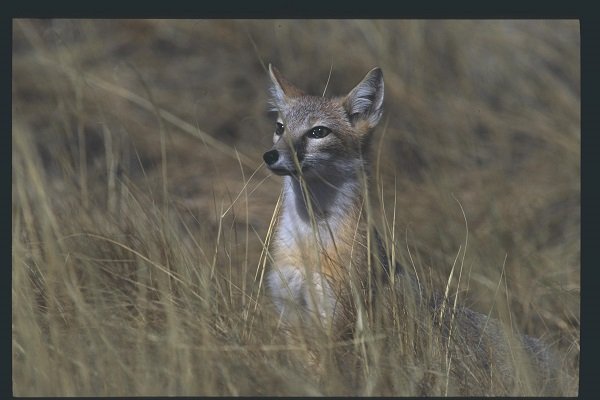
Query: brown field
140	203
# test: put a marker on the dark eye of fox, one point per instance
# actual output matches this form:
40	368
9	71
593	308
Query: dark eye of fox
279	129
319	132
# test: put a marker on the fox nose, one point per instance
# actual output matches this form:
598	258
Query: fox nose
271	157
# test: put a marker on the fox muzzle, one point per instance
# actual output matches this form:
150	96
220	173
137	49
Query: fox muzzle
276	163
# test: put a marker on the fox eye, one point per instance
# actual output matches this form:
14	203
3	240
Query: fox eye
279	129
319	132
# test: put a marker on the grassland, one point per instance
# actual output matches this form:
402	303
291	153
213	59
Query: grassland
141	207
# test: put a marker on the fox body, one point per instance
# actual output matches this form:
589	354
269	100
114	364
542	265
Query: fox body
319	147
321	240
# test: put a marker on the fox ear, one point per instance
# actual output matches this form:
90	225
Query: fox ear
282	89
365	101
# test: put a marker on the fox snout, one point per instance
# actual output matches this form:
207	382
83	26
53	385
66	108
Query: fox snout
278	162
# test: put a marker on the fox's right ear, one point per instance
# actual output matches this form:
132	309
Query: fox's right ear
281	89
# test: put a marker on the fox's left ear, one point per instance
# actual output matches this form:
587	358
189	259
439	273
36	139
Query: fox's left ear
365	101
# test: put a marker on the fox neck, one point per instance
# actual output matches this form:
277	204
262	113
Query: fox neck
332	198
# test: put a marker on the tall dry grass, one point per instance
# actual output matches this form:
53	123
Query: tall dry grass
141	209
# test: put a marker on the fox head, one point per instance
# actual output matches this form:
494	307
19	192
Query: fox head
319	136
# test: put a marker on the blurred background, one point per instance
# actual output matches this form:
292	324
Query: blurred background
115	118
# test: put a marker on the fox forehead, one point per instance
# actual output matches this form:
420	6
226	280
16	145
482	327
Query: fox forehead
305	112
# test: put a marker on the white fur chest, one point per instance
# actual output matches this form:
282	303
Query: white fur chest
298	290
300	297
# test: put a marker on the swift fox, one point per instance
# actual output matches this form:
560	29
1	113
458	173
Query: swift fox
322	238
318	147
